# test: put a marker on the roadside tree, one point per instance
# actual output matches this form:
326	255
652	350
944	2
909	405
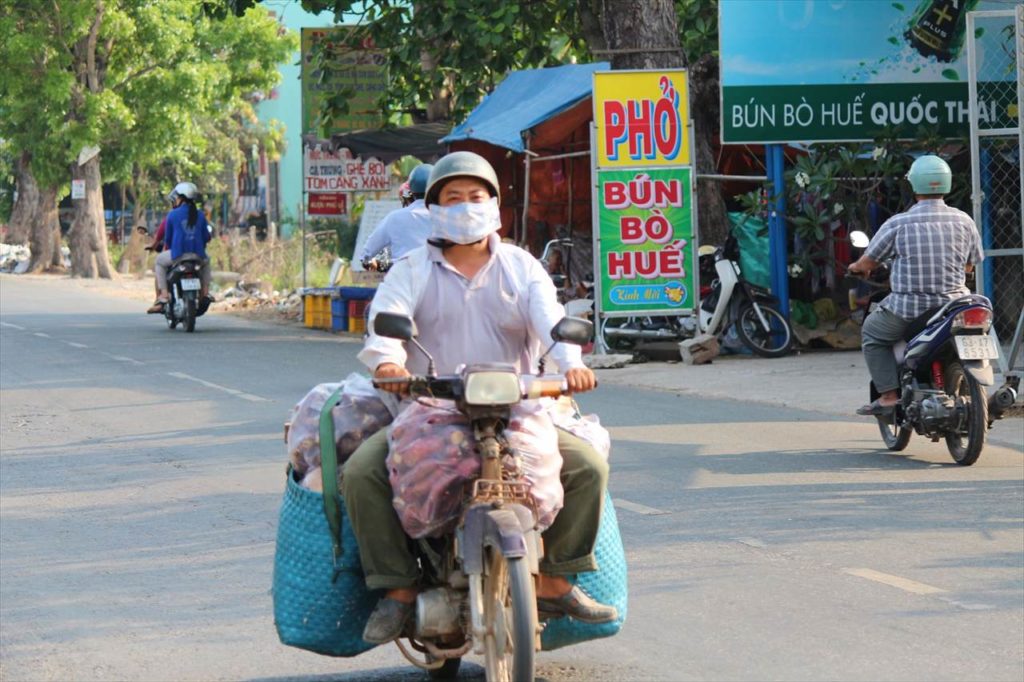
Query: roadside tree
143	88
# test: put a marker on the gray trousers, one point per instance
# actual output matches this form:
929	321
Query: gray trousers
881	331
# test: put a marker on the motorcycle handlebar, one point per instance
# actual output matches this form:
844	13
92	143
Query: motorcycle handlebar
549	386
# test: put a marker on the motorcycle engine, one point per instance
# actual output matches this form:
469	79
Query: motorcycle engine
438	612
936	413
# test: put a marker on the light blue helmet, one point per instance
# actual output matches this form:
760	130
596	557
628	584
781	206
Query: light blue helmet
930	175
418	179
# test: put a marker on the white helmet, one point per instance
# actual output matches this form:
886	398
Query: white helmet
184	189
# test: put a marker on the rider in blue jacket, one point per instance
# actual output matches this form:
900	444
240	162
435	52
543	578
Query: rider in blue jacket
187	232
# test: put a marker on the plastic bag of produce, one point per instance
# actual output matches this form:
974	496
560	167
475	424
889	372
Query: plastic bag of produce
361	412
566	415
432	463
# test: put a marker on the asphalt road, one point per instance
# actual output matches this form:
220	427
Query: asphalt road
141	472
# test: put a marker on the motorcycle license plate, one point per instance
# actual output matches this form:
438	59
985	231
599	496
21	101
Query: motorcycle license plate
976	347
191	285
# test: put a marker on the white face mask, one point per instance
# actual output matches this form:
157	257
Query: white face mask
465	223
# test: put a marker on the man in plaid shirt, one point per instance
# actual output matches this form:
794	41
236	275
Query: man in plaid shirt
932	246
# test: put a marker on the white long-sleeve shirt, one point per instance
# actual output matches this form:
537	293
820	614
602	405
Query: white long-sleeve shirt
505	313
403	230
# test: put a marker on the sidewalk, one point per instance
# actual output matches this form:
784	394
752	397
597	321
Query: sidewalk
824	381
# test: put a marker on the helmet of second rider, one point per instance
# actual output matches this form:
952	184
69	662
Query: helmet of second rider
418	179
461	164
929	175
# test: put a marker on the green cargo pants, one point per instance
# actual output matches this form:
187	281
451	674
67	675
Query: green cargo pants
384	549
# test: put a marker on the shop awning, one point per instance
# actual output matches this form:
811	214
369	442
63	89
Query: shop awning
389	144
523	100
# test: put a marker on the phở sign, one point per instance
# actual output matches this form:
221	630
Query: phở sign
641	118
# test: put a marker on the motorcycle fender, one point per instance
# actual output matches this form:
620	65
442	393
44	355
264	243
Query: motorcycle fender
509	528
981	370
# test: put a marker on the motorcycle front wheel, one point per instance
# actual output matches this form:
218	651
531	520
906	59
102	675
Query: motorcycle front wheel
510	615
773	342
966	443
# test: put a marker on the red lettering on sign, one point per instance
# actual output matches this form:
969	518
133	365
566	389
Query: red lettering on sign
638	125
631	230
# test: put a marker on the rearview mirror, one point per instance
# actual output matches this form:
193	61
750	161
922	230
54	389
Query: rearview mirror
859	239
394	326
573	330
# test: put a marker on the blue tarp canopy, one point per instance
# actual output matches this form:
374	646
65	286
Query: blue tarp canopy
523	100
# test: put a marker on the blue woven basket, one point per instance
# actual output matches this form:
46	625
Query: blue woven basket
607	585
317	607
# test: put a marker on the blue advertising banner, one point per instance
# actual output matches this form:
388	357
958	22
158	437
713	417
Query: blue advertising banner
847	70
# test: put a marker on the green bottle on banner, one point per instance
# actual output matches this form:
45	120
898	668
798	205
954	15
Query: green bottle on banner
937	28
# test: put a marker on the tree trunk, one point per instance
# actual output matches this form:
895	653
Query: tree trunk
712	212
641	34
651	25
45	237
26	207
88	235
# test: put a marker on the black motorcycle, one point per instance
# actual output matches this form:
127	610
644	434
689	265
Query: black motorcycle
184	283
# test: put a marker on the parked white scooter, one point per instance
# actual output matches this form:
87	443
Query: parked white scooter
732	301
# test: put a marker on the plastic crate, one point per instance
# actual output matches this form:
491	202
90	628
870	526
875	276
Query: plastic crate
339	315
317	308
356	293
357	316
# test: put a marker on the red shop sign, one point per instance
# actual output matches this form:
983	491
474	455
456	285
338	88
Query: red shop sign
334	203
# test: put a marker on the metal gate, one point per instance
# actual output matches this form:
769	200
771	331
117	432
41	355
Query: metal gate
995	64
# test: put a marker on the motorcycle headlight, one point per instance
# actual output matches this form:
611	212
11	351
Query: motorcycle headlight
492	388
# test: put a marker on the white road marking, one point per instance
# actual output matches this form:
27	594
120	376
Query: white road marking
752	542
235	392
12	326
121	358
894	581
637	508
968	606
76	345
41	335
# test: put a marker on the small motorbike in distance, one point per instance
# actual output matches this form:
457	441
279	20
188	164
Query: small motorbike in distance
184	284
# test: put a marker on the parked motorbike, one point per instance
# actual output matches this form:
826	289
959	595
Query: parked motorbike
477	591
944	367
730	301
184	283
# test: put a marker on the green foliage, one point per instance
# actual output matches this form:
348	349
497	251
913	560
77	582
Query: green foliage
698	26
171	95
832	186
473	44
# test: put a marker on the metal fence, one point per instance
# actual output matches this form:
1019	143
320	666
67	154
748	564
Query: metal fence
995	58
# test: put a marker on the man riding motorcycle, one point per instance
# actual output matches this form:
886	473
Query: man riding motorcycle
407	228
932	247
474	299
186	232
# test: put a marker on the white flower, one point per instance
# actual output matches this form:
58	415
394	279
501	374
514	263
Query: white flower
837	209
802	179
795	270
878	153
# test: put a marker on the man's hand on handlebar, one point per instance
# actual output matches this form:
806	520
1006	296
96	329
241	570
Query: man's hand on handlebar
862	267
390	370
580	380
